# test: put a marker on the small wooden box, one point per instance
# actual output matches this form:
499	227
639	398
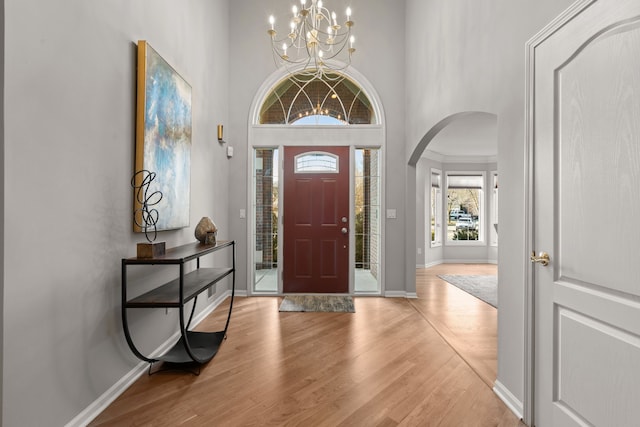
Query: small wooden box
151	250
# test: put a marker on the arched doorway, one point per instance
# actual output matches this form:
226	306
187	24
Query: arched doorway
456	209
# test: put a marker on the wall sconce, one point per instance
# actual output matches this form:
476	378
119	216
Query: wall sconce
221	141
220	135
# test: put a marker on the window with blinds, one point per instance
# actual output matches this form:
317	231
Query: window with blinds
493	220
465	206
435	200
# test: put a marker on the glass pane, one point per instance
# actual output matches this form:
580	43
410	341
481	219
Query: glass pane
317	119
359	169
435	209
316	162
493	223
367	221
266	280
464	211
265	217
434	213
298	98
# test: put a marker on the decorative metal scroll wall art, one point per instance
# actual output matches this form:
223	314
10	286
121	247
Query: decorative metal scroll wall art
146	218
146	215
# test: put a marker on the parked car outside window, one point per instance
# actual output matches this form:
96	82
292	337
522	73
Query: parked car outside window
465	222
455	214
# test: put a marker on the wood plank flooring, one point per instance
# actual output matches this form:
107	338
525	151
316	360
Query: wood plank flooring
468	325
385	365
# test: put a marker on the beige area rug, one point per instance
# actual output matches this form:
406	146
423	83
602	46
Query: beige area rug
318	303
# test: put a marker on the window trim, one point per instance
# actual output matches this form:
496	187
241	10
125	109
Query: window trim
493	214
439	209
482	214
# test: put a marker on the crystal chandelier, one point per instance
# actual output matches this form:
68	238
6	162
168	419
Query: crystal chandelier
315	42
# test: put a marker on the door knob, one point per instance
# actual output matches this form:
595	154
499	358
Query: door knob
344	230
543	258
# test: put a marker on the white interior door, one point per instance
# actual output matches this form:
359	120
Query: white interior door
586	198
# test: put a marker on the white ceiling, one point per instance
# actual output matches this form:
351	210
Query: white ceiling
471	135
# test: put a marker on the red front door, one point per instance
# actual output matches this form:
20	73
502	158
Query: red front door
316	214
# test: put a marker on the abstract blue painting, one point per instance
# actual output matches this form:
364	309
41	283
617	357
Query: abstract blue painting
163	136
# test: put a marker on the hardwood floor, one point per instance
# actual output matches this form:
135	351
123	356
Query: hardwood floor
384	365
469	325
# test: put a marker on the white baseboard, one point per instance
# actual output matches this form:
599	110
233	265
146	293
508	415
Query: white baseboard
433	264
508	398
400	294
101	403
395	294
458	261
466	261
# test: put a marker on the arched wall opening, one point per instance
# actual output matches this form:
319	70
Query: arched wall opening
441	125
456	181
459	154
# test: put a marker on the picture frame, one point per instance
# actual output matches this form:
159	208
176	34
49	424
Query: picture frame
163	138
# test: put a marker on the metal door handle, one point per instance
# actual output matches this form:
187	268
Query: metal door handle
543	258
344	230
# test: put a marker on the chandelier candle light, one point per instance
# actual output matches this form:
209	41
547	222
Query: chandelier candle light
314	43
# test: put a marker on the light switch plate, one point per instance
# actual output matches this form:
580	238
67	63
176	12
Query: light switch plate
391	214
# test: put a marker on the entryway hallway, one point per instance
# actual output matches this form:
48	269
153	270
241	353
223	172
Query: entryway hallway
384	365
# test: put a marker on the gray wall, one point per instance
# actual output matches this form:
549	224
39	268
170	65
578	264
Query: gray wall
252	64
469	56
69	130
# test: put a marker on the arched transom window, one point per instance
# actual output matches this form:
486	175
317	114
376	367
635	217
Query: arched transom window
304	100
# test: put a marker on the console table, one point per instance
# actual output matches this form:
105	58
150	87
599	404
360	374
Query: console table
198	347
